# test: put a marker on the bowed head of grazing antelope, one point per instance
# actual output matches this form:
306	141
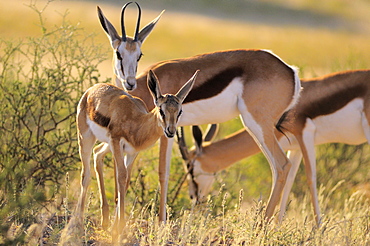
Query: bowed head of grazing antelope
127	50
332	109
199	181
110	115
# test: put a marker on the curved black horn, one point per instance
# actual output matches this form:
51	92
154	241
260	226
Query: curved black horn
138	22
198	137
211	132
182	144
123	21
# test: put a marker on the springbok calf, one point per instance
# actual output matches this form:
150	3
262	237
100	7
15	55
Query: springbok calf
333	108
255	84
127	50
110	115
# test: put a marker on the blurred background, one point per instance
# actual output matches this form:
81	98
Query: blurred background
317	36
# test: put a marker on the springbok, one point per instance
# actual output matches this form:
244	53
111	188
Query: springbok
111	115
126	55
255	84
333	108
127	50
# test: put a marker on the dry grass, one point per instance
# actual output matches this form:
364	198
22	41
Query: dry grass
239	223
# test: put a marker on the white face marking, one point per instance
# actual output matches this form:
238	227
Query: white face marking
170	113
217	109
203	180
127	147
125	65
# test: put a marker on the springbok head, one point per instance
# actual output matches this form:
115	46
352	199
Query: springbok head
169	106
127	50
199	181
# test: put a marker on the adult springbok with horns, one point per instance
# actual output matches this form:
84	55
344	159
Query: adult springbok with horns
332	108
127	50
127	53
255	84
111	115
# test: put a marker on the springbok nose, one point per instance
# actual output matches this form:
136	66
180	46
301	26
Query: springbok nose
170	133
130	83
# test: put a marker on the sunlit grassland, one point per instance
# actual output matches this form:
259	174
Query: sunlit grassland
316	50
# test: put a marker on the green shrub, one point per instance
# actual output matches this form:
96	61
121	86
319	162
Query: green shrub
41	80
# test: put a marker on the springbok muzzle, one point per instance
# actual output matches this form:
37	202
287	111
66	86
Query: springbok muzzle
130	83
170	132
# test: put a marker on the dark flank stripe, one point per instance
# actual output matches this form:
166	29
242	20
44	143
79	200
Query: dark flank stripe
319	107
334	102
214	85
101	119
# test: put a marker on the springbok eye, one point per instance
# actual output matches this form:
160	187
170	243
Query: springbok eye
119	57
188	165
141	54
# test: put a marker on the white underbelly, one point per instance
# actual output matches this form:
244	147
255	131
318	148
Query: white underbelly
101	133
343	126
217	109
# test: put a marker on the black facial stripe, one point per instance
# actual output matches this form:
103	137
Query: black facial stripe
123	72
141	54
162	113
119	57
178	116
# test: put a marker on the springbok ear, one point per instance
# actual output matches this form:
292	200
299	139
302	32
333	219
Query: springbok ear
145	31
211	132
109	29
153	86
198	139
186	88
